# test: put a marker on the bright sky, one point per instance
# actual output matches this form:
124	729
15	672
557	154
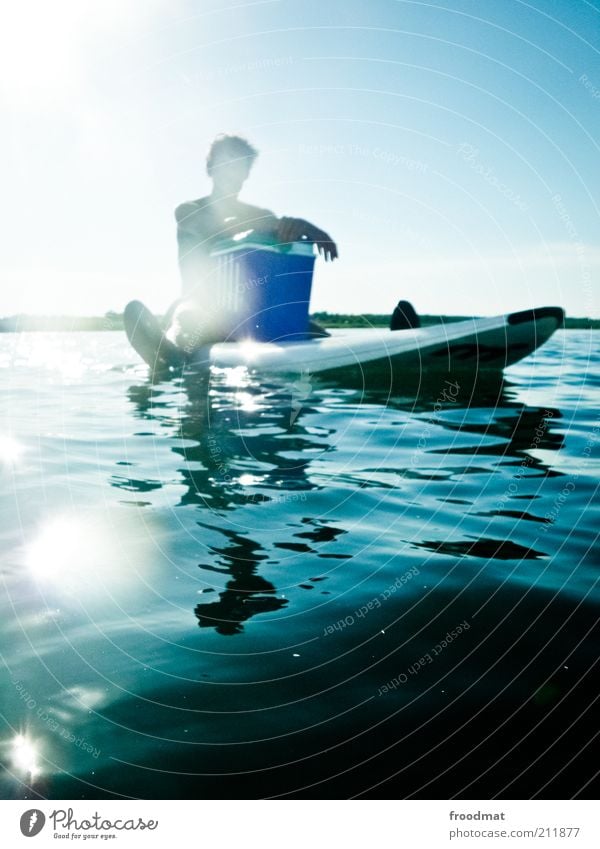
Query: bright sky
450	148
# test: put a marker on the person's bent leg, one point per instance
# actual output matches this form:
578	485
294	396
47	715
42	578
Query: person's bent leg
193	327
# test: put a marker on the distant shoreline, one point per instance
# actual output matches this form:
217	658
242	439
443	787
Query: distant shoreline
114	321
376	320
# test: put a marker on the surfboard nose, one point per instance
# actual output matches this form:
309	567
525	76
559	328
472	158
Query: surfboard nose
537	314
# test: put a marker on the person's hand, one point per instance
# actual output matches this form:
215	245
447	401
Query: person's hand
326	246
296	229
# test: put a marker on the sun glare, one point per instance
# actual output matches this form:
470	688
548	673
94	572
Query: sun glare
250	350
86	556
10	450
38	48
248	402
43	45
57	549
249	480
25	756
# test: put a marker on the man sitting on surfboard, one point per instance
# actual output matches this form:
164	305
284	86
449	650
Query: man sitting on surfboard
202	224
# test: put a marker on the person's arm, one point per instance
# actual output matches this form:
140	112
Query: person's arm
192	248
297	229
260	221
286	230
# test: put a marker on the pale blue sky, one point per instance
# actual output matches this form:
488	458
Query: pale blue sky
430	139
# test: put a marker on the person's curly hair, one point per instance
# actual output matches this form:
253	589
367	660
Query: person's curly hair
235	147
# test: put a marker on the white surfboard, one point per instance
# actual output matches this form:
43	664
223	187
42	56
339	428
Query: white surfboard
484	343
475	344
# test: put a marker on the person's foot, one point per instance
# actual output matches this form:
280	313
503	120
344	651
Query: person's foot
404	317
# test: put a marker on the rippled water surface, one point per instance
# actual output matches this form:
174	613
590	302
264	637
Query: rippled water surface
246	588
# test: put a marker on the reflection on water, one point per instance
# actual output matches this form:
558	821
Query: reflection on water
246	594
485	548
211	583
248	442
221	427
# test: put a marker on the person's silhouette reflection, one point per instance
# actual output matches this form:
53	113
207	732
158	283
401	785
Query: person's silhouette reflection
221	437
246	594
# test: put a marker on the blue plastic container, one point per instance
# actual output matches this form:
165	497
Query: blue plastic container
264	290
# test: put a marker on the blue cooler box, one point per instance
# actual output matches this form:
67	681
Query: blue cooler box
264	290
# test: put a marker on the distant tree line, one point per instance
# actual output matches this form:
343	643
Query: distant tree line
114	321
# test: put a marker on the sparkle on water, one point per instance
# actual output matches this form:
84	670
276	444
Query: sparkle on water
10	450
25	756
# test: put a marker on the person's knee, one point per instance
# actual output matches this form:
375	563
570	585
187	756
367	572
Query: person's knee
192	327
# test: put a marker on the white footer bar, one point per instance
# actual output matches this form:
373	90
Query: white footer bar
301	824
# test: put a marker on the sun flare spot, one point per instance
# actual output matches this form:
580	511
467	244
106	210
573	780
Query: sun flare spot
90	554
10	450
247	401
59	547
249	480
236	377
25	756
250	350
44	46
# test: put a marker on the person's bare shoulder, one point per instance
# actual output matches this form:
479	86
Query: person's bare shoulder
188	210
248	211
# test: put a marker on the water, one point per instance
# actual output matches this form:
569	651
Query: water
265	589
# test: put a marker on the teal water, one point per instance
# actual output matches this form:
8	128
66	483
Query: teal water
257	589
